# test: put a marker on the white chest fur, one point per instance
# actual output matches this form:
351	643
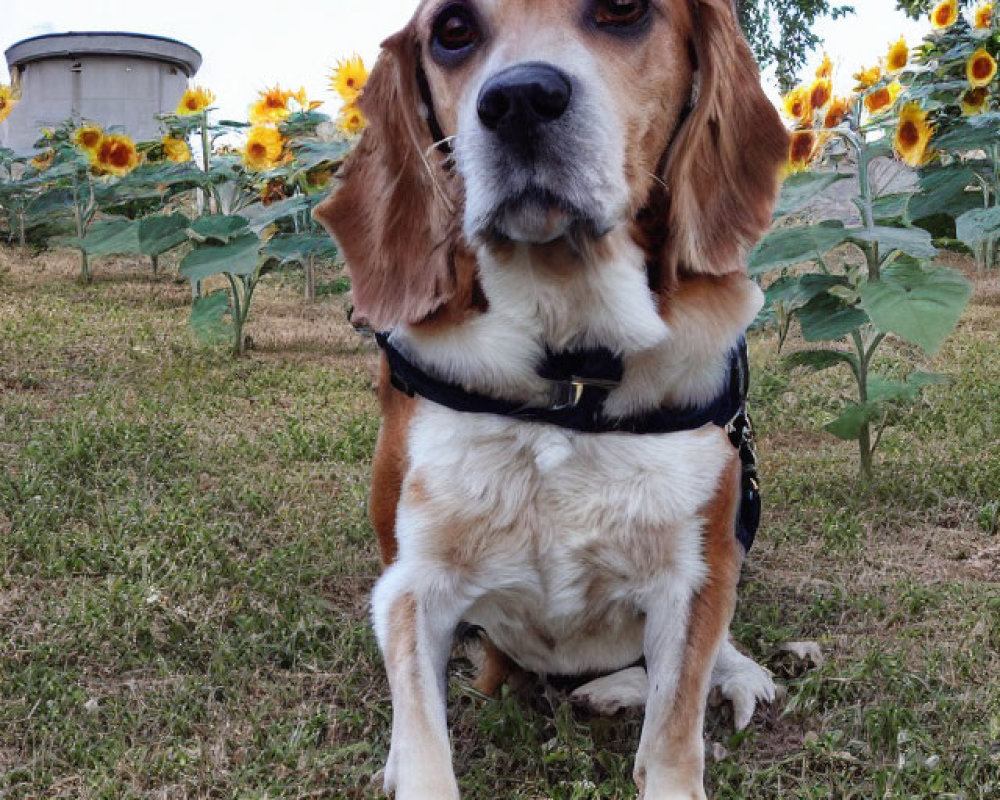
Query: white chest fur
556	535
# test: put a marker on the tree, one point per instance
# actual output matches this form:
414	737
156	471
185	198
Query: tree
780	31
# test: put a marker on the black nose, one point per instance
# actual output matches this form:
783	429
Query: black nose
521	98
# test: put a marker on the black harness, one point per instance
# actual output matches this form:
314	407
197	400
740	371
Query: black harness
580	382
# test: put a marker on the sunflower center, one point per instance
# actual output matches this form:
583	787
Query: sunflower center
880	98
802	146
909	134
981	69
257	150
89	139
350	82
942	15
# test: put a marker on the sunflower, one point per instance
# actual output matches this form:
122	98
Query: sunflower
797	104
115	155
944	14
176	150
984	15
825	69
981	68
883	98
263	148
867	77
975	101
820	94
43	160
804	146
88	138
195	100
838	110
351	120
349	78
898	57
912	135
272	106
273	191
8	99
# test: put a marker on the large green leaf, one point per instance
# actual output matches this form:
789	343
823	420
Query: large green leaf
796	291
886	390
917	303
827	318
915	242
977	226
151	236
290	247
800	189
976	132
785	246
260	216
108	237
852	419
162	232
218	228
945	189
240	257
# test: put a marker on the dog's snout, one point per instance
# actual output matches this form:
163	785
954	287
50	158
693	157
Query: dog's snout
518	100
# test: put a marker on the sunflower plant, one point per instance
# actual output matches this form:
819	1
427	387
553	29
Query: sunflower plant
265	191
953	125
851	284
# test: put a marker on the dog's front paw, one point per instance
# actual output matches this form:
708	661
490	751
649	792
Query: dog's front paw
420	783
654	785
743	682
608	695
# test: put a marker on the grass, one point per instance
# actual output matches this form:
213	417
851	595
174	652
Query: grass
185	562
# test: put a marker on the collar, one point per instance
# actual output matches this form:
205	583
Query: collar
580	381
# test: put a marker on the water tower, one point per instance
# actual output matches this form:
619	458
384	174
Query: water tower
113	79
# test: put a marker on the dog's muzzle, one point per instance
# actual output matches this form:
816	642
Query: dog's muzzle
516	103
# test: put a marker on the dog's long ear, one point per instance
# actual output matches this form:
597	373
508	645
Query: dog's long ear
722	169
393	212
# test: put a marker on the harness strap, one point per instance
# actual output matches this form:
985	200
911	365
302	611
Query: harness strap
580	382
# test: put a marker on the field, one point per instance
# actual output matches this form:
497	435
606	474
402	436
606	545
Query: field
185	563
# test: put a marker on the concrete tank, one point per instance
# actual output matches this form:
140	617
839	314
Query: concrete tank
113	79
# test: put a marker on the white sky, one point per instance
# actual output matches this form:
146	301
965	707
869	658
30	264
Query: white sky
252	44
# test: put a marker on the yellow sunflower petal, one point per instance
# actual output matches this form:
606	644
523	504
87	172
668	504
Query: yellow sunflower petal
944	14
88	138
349	77
263	149
8	99
913	135
43	161
825	69
838	111
984	16
351	121
195	100
867	77
176	150
975	101
883	98
898	56
981	68
115	155
797	105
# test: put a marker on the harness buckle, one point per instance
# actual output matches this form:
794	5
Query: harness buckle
568	394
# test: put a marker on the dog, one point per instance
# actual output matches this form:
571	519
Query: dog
547	219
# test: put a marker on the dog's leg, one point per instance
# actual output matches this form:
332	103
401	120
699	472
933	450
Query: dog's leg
671	758
415	617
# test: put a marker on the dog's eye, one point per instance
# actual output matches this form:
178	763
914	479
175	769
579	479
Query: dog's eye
455	29
620	13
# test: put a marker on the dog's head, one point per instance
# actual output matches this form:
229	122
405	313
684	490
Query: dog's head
499	121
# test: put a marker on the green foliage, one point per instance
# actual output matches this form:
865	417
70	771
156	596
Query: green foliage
780	31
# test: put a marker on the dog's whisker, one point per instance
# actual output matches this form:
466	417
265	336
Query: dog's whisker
658	179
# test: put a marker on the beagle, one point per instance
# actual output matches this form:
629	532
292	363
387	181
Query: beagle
544	180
